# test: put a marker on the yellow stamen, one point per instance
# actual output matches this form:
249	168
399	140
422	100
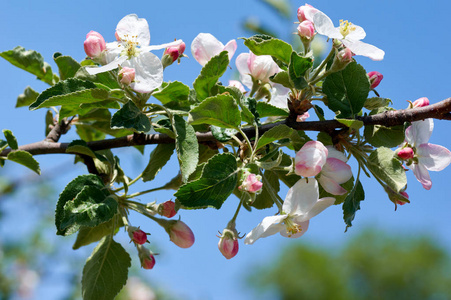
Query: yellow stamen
292	228
346	28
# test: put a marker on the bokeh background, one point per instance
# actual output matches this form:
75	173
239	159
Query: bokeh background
37	264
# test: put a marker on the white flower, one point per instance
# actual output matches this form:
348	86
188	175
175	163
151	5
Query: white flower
132	51
205	46
335	172
300	205
349	34
427	157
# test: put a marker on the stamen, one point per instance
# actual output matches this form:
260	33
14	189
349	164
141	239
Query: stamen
346	27
292	228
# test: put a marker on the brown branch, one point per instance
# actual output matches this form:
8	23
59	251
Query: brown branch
440	110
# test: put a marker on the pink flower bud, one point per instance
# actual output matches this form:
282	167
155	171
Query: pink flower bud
94	44
176	51
420	102
310	159
375	78
146	258
345	55
406	153
180	234
228	243
306	12
251	184
137	235
303	117
127	75
167	209
306	30
400	202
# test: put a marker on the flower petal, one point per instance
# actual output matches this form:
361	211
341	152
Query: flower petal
331	186
304	227
422	175
310	159
231	48
319	206
162	46
279	96
334	153
131	26
301	197
108	67
419	132
243	68
364	49
325	26
269	226
204	47
337	170
433	157
148	72
357	34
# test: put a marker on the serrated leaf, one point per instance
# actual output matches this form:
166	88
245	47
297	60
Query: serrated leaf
24	158
276	133
80	147
218	180
261	44
271	186
88	235
267	110
11	139
106	78
347	90
219	110
29	96
70	92
172	91
210	74
105	271
32	62
354	124
387	168
158	159
92	206
297	68
67	66
131	117
352	203
376	102
85	108
186	145
282	78
70	192
223	134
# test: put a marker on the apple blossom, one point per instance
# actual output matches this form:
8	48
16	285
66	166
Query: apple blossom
310	159
427	157
306	30
205	46
301	204
306	12
132	50
423	101
137	235
375	78
180	234
406	153
127	75
349	34
94	44
400	202
334	172
228	243
251	184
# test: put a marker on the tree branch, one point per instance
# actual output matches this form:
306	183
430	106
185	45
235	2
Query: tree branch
440	110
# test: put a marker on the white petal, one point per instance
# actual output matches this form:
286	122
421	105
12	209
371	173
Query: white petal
113	50
422	175
319	206
323	25
148	72
131	26
419	132
334	153
301	197
310	159
243	68
204	47
433	157
262	67
331	186
304	227
162	46
269	226
337	170
364	49
279	96
231	48
108	67
357	34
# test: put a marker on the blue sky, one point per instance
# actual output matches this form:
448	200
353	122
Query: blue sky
414	35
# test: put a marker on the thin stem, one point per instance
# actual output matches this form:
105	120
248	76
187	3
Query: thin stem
129	184
323	63
144	192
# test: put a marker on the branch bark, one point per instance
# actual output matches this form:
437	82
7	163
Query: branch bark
440	110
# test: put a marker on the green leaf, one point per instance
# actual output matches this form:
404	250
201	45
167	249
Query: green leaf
383	164
282	78
347	90
354	124
276	133
267	110
271	186
91	207
297	68
67	65
69	193
70	92
172	91
223	134
24	158
218	180
48	121
352	203
376	102
261	44
131	117
186	145
80	147
106	78
32	62
88	235
67	111
210	74
379	135
29	96
158	159
105	271
11	139
220	110
3	145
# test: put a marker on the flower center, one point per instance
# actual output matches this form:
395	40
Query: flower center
130	45
292	228
346	28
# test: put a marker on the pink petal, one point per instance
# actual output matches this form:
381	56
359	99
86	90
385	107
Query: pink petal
337	170
331	186
230	47
310	159
433	157
243	68
422	175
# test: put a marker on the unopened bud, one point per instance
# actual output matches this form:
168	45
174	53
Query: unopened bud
146	257
306	30
228	243
400	202
251	184
171	54
167	209
127	75
180	234
420	102
306	12
406	153
137	235
375	78
303	117
94	44
342	59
